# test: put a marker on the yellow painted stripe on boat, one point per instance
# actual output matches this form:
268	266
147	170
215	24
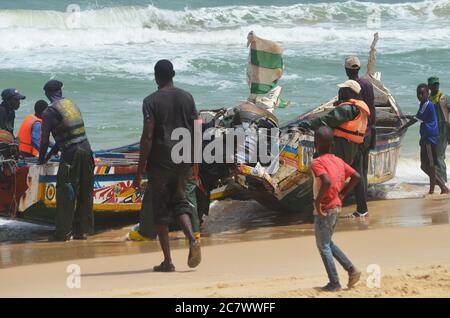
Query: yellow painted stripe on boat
118	207
50	204
378	180
290	155
221	194
41	192
245	169
128	192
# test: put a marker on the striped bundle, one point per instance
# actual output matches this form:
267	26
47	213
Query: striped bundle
265	65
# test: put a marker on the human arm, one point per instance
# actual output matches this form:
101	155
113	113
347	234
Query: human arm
420	116
370	96
372	117
53	151
45	139
411	122
2	118
36	131
324	186
146	143
334	118
355	178
145	148
446	103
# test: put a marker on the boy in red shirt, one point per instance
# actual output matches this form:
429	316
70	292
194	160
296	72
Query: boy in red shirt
330	173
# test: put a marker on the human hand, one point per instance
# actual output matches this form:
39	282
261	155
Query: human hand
319	210
137	182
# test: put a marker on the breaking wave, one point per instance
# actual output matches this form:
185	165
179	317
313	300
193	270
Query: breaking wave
228	25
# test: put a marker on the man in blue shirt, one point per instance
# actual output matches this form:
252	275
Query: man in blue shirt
429	137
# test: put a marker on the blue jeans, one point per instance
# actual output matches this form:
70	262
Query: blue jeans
324	228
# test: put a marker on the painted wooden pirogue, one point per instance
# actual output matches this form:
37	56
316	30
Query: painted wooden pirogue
290	189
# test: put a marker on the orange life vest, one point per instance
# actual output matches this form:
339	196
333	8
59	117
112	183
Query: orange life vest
25	135
354	130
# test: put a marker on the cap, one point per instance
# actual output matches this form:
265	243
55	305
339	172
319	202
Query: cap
11	93
53	85
433	81
352	63
354	85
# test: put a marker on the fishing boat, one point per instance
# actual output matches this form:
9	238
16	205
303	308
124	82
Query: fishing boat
290	188
33	190
28	190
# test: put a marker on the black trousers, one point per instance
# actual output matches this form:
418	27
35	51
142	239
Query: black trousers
168	191
74	202
361	165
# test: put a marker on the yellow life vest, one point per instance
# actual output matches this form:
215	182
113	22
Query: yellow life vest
71	128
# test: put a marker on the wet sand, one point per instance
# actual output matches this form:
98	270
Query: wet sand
248	251
414	262
231	222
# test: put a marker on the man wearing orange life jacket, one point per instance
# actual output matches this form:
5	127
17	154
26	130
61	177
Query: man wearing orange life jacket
30	131
348	120
361	164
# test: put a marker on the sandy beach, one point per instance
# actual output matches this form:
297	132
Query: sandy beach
101	55
414	260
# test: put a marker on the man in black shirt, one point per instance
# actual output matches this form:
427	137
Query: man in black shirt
10	103
164	111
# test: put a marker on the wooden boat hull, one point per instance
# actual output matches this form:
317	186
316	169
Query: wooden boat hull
291	188
295	193
31	195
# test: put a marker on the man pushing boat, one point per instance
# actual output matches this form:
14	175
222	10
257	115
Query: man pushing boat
361	162
75	178
348	120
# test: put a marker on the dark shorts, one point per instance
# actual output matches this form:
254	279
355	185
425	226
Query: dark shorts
168	189
428	156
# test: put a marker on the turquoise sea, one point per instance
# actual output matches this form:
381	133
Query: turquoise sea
104	52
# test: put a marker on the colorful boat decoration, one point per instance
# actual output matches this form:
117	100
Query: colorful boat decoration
33	190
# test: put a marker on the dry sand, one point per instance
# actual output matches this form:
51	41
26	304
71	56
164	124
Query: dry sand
414	262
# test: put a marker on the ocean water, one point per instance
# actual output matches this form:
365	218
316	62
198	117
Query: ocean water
105	52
